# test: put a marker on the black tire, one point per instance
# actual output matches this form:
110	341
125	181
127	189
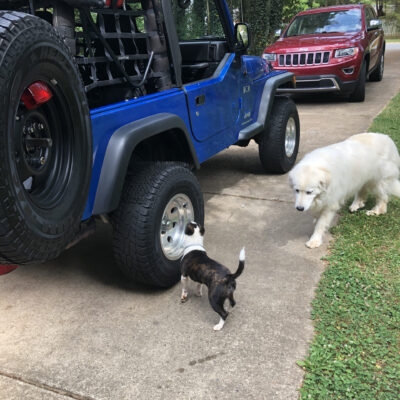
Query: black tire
377	74
137	222
43	187
359	92
276	155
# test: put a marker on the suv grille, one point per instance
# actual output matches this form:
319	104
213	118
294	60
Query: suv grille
320	57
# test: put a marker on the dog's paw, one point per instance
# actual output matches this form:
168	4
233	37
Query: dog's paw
220	325
371	212
356	207
313	243
184	297
376	211
199	291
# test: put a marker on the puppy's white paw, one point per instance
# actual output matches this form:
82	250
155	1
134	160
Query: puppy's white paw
199	291
184	297
313	243
220	325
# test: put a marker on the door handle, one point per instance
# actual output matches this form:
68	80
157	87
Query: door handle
200	100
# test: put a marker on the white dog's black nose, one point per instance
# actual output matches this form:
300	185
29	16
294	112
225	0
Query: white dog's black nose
300	208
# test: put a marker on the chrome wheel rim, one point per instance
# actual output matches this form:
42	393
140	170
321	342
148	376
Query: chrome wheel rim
178	212
382	64
290	137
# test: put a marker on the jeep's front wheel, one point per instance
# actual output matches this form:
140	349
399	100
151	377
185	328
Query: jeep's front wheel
279	141
148	227
359	92
377	74
45	141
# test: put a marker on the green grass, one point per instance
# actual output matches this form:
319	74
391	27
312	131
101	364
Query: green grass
355	353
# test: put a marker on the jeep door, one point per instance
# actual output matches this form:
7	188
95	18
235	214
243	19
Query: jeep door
211	75
374	35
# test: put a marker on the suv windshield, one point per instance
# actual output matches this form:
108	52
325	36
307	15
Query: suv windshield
326	22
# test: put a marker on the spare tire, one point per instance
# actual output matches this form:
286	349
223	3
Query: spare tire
45	141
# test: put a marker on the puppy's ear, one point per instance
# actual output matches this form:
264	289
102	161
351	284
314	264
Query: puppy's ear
189	230
202	230
324	178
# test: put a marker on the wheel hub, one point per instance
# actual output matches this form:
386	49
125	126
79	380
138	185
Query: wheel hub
33	148
290	137
178	212
36	142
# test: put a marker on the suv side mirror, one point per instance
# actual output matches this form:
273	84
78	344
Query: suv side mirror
374	24
243	36
278	32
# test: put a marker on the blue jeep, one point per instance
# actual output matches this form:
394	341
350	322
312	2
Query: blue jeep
106	107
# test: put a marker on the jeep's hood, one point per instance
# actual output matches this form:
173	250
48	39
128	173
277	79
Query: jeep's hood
314	42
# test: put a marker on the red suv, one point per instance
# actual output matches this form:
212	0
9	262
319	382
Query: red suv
331	49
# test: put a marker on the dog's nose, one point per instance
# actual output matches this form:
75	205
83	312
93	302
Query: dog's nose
300	208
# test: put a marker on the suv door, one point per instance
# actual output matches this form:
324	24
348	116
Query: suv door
374	35
210	73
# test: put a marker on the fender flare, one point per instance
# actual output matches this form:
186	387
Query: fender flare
119	152
266	103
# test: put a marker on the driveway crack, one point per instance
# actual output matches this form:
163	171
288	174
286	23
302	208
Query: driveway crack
274	199
44	386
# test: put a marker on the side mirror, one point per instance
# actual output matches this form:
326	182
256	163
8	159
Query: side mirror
242	35
278	32
374	24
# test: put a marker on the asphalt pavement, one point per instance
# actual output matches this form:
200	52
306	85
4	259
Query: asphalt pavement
73	329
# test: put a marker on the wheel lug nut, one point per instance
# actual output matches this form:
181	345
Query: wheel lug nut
42	160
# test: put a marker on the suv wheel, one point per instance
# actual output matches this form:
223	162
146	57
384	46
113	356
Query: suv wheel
377	74
158	200
279	142
359	93
45	141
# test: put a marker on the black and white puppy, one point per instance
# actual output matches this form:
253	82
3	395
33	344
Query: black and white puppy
196	265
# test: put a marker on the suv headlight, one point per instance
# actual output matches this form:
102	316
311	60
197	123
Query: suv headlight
350	51
269	56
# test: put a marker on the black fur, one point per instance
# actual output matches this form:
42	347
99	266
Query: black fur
220	281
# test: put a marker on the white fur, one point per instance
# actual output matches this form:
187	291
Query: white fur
326	177
242	255
220	325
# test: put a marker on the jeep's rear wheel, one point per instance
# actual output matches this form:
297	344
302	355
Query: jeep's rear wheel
45	141
157	202
279	142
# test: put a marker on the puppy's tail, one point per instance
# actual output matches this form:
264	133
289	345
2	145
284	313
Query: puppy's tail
241	264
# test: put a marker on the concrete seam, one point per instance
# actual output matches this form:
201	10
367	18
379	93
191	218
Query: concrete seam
249	197
46	387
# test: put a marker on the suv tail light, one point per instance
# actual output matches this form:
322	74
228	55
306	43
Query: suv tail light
109	3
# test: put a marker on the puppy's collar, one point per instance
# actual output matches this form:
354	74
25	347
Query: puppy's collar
193	247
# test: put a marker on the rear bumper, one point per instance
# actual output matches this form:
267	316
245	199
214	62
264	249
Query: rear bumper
320	84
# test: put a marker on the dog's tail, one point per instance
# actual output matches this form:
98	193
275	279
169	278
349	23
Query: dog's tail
241	264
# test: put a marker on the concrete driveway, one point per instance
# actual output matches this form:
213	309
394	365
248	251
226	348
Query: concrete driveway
73	329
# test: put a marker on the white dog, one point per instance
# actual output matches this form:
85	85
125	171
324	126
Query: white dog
325	178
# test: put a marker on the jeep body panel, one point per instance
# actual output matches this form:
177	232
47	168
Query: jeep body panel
177	108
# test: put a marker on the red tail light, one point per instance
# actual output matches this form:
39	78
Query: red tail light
119	3
35	95
5	269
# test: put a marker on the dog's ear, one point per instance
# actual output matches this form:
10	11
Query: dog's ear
189	230
202	230
324	177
